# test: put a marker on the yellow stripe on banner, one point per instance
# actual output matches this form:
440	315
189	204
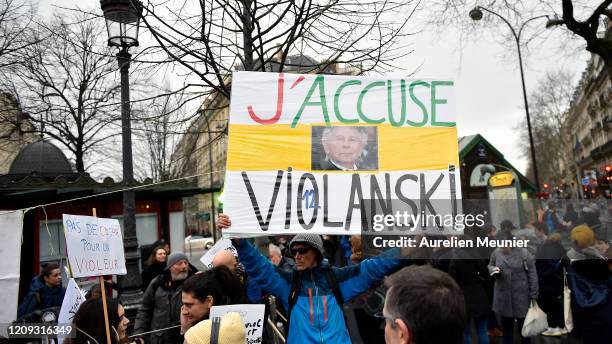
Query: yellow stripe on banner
274	147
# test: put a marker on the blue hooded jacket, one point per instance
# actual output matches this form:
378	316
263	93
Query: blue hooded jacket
316	316
41	296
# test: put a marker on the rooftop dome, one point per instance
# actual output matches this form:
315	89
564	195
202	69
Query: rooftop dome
43	158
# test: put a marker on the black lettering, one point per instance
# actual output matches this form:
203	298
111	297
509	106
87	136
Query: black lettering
425	195
288	207
263	224
355	189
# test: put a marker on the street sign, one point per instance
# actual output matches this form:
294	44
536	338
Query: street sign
585	181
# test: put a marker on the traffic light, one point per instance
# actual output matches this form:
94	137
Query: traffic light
545	186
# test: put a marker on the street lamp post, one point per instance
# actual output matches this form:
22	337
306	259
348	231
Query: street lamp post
476	14
122	18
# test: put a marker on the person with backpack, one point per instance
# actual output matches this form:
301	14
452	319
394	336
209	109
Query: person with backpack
589	279
313	292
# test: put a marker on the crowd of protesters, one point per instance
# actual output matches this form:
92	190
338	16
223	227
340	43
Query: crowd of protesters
330	292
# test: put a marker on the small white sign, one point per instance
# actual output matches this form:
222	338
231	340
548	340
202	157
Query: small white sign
73	299
252	315
95	246
221	245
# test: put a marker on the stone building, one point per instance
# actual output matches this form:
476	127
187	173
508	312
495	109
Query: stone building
589	127
15	131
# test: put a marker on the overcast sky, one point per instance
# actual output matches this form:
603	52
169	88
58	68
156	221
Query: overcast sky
489	87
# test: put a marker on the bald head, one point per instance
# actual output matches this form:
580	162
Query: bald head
226	258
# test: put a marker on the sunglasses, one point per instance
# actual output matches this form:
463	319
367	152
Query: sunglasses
302	251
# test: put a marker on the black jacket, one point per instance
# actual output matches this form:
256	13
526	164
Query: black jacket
161	308
471	275
150	272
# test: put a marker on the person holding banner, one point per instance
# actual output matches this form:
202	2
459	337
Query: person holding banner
161	303
313	292
45	291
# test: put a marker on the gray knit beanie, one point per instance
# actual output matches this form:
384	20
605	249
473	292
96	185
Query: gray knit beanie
174	258
312	240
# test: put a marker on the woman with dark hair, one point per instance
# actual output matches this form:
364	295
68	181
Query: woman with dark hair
45	291
90	327
154	266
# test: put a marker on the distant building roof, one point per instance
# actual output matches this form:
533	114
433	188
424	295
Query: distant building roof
41	157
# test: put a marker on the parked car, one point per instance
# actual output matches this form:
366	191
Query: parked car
196	245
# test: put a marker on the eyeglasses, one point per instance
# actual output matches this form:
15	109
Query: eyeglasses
380	315
302	251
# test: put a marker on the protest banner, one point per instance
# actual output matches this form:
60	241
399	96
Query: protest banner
221	245
73	298
252	315
94	245
305	151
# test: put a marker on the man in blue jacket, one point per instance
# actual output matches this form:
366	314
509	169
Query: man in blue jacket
315	315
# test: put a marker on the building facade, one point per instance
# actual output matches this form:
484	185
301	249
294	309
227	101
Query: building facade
589	127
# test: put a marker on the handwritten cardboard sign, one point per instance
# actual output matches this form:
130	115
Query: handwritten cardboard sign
95	246
252	315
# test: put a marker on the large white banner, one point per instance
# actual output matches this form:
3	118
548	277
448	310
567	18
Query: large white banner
11	228
307	152
95	246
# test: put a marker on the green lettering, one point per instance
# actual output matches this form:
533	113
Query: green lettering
337	98
418	102
319	83
390	103
435	101
360	102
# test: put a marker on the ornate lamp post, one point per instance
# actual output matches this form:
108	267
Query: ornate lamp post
122	19
476	14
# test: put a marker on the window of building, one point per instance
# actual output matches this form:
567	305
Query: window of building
146	228
52	247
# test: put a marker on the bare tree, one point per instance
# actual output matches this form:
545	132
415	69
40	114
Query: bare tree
66	85
209	38
549	104
16	34
585	21
159	124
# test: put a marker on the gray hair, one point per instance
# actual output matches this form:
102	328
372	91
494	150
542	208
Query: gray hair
328	131
275	249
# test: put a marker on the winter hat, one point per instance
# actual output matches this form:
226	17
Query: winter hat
231	331
582	236
313	240
174	258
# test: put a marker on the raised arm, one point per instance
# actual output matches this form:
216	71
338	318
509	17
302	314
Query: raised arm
257	266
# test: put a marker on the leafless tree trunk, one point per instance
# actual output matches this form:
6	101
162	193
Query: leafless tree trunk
582	18
549	104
